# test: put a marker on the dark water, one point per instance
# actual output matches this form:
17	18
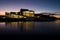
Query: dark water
30	27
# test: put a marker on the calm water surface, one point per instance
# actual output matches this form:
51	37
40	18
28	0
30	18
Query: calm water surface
31	27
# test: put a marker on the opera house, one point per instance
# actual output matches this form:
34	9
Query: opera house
24	13
27	15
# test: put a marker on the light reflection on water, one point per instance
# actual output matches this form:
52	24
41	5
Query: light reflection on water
2	25
17	26
30	26
20	26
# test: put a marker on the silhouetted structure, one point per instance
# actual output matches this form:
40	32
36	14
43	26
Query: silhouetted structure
26	15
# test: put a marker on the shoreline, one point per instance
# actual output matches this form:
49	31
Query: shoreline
17	20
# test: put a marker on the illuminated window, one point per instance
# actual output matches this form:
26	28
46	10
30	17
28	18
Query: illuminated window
28	13
24	13
31	12
20	16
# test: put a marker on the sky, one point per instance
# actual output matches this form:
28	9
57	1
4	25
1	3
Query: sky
36	5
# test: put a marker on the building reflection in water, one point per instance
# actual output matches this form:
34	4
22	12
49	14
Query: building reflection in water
2	25
21	26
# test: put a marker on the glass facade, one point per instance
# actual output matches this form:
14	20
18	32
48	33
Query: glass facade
28	13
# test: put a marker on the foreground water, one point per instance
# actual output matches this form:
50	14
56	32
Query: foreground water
30	27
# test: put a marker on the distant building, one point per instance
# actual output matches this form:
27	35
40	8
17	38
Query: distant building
37	15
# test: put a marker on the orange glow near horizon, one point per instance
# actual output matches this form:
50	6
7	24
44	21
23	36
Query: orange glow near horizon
2	13
57	16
